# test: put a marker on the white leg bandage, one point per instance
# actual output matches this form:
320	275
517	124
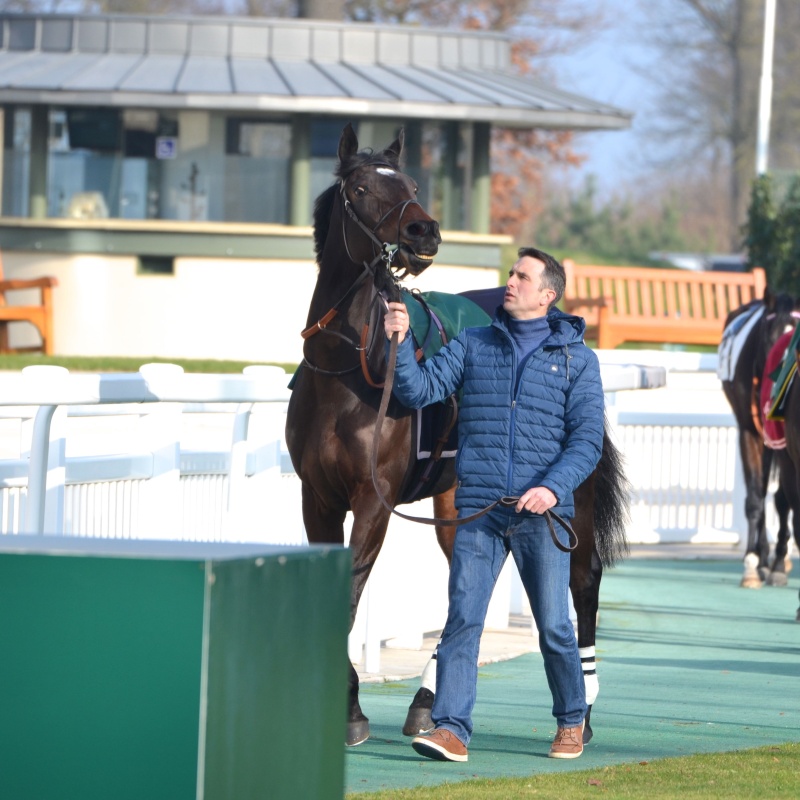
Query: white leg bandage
428	679
589	666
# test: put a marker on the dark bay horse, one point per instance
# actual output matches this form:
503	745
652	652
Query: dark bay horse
368	228
775	314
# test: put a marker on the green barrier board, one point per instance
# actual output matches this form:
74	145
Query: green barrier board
171	670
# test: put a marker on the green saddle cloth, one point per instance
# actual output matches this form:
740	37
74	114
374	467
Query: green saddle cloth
453	312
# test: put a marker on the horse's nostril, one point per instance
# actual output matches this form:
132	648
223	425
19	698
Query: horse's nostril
422	228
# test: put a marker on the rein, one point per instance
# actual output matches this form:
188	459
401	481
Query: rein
503	502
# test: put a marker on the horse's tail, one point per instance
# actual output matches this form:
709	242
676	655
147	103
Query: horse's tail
611	504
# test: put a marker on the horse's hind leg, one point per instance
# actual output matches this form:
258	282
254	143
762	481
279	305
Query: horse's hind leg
756	477
777	576
418	719
585	575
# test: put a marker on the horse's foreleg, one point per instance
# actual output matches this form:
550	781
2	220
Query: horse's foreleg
366	539
326	526
756	556
418	719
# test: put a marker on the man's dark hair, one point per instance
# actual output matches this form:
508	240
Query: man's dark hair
553	275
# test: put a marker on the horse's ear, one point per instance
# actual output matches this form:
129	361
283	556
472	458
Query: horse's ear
769	299
348	144
395	149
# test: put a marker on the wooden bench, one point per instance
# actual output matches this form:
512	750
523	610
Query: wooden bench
39	315
643	304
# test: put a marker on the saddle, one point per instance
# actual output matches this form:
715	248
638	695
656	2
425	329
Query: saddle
434	319
734	336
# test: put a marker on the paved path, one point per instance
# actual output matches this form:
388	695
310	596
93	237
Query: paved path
688	662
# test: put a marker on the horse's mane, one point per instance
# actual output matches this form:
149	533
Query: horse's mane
323	205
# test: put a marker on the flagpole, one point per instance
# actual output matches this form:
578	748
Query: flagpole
765	89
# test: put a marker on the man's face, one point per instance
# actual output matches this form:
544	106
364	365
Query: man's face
525	298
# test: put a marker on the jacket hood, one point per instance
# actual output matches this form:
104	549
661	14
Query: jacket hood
565	329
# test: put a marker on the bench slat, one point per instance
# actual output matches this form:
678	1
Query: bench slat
657	305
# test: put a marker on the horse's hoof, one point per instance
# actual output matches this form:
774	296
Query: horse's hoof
751	582
763	573
357	732
419	714
797	618
777	579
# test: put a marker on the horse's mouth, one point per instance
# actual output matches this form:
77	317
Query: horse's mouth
413	261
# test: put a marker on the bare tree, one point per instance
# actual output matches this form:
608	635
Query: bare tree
708	86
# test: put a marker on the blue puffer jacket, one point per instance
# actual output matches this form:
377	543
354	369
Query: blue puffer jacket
550	434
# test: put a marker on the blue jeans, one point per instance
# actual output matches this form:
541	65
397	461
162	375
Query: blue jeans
479	552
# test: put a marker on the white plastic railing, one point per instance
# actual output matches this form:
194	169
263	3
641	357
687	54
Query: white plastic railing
163	389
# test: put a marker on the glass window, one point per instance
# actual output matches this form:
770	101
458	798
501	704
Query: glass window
443	172
16	161
257	168
150	164
202	165
325	136
102	163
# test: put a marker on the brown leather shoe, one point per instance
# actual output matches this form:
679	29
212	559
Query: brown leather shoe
568	743
440	744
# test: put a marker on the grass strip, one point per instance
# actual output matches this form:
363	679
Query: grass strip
771	772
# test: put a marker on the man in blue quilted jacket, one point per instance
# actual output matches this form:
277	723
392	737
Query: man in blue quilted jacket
530	426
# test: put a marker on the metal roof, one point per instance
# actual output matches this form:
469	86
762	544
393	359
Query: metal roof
281	65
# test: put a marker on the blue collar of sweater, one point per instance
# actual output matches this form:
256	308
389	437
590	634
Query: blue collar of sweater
565	329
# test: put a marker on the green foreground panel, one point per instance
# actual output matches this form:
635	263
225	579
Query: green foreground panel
171	670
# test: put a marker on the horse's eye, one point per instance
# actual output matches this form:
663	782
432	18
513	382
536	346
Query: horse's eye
360	191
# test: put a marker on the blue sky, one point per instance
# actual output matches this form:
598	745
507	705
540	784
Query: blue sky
609	70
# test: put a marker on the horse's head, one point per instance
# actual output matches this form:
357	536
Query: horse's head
781	314
381	207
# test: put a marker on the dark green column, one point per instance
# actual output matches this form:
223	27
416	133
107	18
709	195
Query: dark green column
300	201
38	162
481	194
452	181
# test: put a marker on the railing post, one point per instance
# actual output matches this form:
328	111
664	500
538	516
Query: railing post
237	474
160	513
44	506
44	446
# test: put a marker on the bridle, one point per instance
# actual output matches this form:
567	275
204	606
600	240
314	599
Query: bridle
382	271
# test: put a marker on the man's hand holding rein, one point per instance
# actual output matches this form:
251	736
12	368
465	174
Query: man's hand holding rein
396	321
